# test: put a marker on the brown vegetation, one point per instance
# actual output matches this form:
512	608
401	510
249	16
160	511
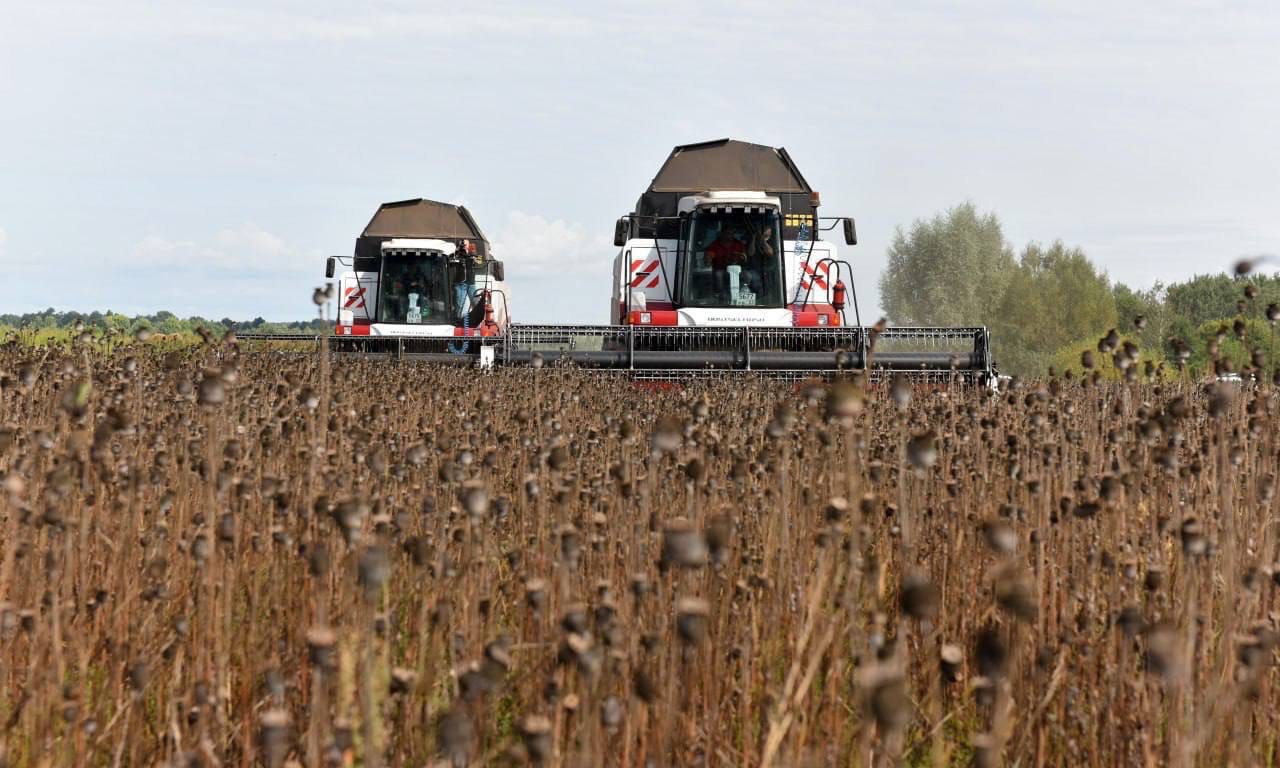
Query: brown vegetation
216	557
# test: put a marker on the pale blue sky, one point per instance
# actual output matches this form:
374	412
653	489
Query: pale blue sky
205	158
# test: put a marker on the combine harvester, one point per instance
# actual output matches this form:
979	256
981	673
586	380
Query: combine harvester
421	282
720	268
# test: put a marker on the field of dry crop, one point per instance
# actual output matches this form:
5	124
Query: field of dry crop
224	557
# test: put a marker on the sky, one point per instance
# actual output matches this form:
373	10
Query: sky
205	158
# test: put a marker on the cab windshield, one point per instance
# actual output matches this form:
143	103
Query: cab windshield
414	290
734	260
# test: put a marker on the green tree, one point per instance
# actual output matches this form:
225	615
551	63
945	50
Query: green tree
1213	297
1234	348
1055	297
1068	358
1150	309
949	270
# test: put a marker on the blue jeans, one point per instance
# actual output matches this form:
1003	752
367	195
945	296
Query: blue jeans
461	293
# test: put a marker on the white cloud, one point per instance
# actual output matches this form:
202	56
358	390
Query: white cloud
532	245
247	248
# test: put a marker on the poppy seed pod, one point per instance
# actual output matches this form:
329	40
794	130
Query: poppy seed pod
320	647
455	735
212	390
611	712
919	598
922	450
1000	536
535	594
1130	620
991	653
1191	533
1014	595
889	703
373	569
682	545
667	435
535	732
692	615
475	499
718	533
273	736
844	403
836	510
570	545
950	657
900	391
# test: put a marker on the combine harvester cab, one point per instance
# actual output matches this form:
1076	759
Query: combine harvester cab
722	267
728	234
421	282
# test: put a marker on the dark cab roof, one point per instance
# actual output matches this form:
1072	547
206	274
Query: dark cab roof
423	218
419	218
725	164
718	166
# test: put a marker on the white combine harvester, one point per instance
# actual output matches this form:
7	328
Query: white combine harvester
422	271
728	234
720	268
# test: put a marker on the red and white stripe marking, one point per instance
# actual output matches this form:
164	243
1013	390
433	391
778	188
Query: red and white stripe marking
640	274
815	276
354	298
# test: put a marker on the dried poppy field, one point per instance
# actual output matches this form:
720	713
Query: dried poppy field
234	557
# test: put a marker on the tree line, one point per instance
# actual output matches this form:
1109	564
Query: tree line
1046	305
160	322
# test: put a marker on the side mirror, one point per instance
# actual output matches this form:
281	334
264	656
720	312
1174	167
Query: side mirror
620	232
497	270
329	266
850	233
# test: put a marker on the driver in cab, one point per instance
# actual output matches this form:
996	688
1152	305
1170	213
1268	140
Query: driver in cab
727	250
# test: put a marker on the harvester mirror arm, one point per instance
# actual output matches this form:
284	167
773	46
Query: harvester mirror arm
622	229
850	228
329	264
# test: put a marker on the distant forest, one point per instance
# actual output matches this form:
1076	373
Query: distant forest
161	322
1046	305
